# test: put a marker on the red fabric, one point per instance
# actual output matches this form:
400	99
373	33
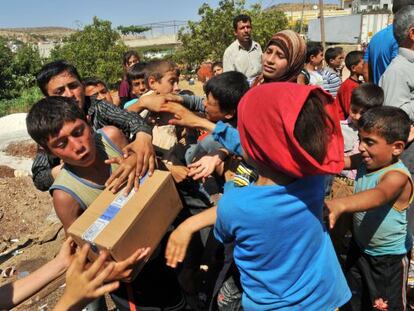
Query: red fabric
123	89
266	121
343	97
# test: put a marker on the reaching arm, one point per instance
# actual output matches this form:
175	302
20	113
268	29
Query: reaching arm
128	123
388	190
184	117
14	293
181	236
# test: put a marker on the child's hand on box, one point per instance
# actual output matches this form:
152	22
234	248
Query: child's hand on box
123	269
177	245
83	283
124	173
145	155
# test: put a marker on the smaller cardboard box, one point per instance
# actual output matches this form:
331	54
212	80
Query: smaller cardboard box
122	224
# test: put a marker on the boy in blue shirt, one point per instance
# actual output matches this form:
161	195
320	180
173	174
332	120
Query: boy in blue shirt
377	262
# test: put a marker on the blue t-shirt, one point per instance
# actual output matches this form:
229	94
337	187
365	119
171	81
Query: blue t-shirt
382	49
227	136
282	248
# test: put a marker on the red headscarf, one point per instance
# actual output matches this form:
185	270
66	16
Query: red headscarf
267	116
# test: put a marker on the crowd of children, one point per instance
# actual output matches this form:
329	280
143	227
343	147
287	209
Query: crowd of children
252	163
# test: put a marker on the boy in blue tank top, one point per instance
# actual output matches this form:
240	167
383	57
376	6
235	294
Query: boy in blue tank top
377	261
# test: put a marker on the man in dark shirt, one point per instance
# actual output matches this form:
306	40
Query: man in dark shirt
59	78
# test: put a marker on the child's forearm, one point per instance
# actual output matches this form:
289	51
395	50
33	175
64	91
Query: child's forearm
136	107
361	202
204	124
202	220
14	293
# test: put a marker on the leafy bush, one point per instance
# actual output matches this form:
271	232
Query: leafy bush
20	104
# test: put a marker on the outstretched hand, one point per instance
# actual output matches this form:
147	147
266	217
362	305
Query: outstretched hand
123	269
125	172
145	154
182	116
85	283
335	210
204	167
177	245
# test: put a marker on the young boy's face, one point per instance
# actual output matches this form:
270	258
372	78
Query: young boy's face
355	114
66	85
316	60
138	87
100	91
358	68
74	144
376	152
338	61
217	70
213	112
167	84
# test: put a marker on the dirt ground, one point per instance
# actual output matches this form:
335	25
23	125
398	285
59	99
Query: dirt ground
21	149
30	233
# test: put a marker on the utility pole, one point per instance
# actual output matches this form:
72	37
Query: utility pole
301	17
322	21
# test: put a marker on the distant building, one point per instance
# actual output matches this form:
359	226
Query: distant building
362	6
45	48
293	11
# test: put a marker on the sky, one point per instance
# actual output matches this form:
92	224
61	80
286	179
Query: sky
77	13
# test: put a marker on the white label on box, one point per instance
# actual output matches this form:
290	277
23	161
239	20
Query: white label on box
96	228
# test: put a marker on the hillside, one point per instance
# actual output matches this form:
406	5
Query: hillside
36	34
298	6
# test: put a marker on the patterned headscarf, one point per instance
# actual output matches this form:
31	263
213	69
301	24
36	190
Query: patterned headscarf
266	124
294	48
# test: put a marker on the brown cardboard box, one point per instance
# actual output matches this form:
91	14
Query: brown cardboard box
122	224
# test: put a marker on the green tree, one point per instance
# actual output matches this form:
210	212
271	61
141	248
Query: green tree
95	51
6	71
26	63
132	30
209	38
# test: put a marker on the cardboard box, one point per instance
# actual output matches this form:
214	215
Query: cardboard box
122	224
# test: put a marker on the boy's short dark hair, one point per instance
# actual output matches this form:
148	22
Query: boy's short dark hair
217	64
93	81
227	88
127	55
367	96
392	123
332	53
47	116
157	69
136	72
241	18
50	70
312	49
353	58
